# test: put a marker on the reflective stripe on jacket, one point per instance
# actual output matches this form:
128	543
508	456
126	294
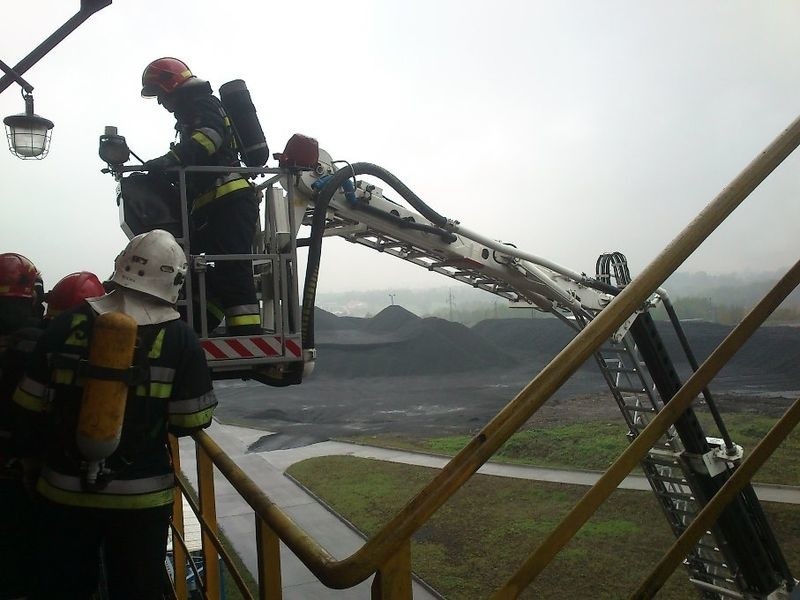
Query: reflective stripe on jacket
144	492
228	185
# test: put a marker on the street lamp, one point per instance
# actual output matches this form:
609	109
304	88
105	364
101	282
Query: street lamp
28	134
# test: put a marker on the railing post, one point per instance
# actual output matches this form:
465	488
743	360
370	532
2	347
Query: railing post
268	546
178	554
393	579
208	509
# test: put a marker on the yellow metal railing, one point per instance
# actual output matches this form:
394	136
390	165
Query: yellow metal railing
387	554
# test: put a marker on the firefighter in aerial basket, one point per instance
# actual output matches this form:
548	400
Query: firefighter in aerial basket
223	206
106	384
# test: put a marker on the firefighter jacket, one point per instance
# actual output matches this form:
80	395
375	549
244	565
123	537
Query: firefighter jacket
171	394
205	138
15	352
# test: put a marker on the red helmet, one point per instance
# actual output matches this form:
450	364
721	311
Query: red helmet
18	276
164	76
71	291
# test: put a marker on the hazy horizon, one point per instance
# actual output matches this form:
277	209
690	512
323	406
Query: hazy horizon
569	129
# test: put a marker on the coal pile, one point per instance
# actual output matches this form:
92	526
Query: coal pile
396	342
534	341
772	350
390	319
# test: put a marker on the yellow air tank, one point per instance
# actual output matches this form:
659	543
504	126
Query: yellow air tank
103	405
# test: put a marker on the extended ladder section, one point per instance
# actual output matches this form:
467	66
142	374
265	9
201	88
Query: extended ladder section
712	572
739	557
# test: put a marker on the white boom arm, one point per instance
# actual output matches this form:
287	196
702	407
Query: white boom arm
500	268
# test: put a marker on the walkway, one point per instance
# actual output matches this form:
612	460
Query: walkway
783	494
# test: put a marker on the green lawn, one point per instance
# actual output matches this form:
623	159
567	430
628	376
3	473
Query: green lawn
594	445
489	527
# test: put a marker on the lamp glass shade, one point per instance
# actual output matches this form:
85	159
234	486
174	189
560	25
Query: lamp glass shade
28	135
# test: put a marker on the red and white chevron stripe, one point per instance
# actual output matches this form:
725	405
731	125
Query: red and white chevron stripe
250	347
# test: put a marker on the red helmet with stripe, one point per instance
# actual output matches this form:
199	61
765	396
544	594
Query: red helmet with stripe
18	276
71	291
164	76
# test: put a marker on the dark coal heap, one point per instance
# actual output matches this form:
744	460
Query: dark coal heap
396	342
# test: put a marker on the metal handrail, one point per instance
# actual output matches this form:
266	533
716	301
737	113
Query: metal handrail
389	543
238	579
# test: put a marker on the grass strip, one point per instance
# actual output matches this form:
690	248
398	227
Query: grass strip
487	529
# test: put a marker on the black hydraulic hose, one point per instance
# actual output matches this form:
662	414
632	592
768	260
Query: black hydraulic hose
402	189
712	406
322	200
602	286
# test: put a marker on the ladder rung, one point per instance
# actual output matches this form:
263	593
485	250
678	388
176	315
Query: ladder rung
630	390
688	491
642	409
719	589
675	509
706	547
613	350
713	563
677	495
621	370
667	479
666	462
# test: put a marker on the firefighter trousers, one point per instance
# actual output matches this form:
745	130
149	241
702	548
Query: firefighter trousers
70	539
228	226
18	567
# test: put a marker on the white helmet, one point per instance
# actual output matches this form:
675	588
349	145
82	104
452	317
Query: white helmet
152	263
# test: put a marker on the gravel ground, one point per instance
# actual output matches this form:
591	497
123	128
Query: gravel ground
398	373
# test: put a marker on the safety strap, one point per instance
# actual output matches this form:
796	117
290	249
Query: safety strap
136	374
132	376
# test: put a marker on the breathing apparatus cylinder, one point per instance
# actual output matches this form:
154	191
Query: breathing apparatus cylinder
105	393
250	136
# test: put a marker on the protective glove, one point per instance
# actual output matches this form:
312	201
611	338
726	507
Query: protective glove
160	163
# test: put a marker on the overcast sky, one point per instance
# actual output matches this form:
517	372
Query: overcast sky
567	128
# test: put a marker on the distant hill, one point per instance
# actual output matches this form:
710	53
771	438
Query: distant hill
731	289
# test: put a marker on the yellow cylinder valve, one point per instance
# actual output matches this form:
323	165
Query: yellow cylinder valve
104	397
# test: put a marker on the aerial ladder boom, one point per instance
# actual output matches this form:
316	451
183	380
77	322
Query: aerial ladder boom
738	558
